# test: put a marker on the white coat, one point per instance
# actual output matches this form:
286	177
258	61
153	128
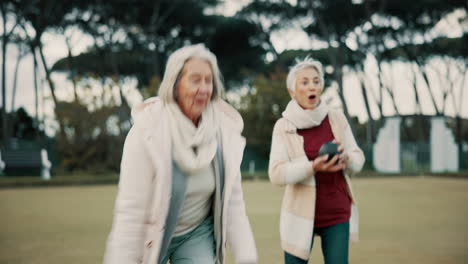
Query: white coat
142	202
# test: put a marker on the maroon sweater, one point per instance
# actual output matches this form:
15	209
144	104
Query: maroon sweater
333	204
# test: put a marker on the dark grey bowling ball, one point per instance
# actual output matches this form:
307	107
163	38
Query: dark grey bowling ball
329	148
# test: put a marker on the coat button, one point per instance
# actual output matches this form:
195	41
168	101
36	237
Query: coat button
150	222
149	244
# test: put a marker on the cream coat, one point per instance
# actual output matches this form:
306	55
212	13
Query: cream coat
290	167
144	189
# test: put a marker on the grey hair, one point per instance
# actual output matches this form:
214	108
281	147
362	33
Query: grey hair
175	65
307	62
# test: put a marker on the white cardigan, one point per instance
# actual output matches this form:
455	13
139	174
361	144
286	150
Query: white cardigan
143	194
290	167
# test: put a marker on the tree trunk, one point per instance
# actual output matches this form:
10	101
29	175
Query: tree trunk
15	79
70	68
384	87
13	94
42	103
417	109
5	39
339	80
47	72
460	125
36	92
4	56
377	42
339	64
125	106
381	86
370	122
459	132
52	91
426	80
155	65
337	61
392	96
126	111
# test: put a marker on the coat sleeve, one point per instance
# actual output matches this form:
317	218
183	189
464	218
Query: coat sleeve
239	232
281	169
356	156
125	241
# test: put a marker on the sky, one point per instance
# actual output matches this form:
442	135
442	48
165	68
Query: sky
55	48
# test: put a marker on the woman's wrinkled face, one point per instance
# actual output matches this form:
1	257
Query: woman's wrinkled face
195	88
308	88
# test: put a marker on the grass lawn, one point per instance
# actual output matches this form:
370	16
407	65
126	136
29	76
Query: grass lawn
403	220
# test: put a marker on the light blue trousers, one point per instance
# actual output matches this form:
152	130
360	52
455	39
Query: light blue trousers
196	247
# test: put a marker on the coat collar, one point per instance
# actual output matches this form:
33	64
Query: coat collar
151	118
147	114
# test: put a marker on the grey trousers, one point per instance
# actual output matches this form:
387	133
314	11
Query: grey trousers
195	247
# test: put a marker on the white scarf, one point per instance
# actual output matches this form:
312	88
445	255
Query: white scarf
186	137
305	118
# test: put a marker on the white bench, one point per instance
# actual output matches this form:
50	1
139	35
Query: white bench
17	159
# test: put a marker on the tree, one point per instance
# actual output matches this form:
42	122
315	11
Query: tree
269	17
360	30
261	107
327	22
23	50
23	126
41	16
6	9
233	42
90	138
126	46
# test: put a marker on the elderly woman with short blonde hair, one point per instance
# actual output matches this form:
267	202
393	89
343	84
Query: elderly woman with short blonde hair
318	199
180	197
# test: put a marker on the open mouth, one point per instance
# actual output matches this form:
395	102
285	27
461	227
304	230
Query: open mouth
200	101
312	97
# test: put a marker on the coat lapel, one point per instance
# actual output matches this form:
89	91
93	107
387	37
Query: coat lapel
294	141
235	143
158	144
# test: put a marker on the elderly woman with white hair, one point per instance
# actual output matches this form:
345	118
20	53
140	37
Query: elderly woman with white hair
180	197
318	199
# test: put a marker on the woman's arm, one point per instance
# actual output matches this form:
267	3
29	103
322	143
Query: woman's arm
354	154
125	242
281	169
239	232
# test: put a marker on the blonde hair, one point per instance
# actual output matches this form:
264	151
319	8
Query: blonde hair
175	65
307	62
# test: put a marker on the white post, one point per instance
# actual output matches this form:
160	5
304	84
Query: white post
251	166
387	147
2	165
46	165
444	149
